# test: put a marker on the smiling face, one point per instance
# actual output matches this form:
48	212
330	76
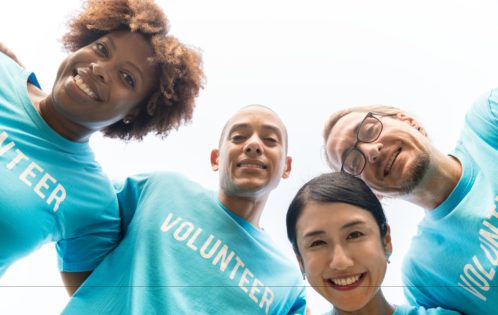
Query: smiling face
396	161
342	253
252	154
103	82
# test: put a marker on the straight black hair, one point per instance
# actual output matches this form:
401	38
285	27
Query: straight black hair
334	187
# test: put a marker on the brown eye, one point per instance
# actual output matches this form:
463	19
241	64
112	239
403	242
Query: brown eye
270	140
128	79
101	49
354	235
317	243
237	138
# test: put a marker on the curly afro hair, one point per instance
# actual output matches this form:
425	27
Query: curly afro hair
180	74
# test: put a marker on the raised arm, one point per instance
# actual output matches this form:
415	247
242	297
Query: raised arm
4	49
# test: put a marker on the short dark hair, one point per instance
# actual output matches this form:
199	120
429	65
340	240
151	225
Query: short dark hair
179	68
334	187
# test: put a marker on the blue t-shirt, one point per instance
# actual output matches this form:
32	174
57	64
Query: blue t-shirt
453	259
183	252
52	189
419	310
414	310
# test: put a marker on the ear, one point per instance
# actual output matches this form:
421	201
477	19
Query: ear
215	153
388	245
288	167
133	113
411	121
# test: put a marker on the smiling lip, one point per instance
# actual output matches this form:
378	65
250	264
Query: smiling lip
87	87
346	283
252	165
390	163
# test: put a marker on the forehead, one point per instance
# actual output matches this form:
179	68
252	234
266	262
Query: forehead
134	49
330	217
131	44
342	136
256	117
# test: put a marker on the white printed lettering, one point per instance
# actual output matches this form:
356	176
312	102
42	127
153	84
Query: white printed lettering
166	226
205	246
222	255
244	280
191	241
29	172
177	235
493	260
20	156
238	264
470	288
255	289
58	194
267	299
43	184
8	146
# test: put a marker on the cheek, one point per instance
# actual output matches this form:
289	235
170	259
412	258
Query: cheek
314	264
375	260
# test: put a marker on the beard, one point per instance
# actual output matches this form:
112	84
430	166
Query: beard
417	173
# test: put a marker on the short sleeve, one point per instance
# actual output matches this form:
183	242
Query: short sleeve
483	117
86	251
299	306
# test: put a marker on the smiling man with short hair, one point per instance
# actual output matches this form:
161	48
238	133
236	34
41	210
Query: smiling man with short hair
187	250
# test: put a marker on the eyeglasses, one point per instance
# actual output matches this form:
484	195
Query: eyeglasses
354	160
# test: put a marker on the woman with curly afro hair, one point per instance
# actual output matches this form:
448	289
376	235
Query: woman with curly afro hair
125	76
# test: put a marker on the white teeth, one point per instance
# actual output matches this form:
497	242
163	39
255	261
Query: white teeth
82	85
251	165
345	281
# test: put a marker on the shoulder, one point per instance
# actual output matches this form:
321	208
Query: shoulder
159	180
419	310
485	107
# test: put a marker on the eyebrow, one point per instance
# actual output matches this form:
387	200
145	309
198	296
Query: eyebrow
127	63
345	226
237	127
313	233
111	42
271	128
352	223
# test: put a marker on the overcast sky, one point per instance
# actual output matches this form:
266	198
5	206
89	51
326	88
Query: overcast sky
304	59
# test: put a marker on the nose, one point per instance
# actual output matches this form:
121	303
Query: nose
99	70
340	260
371	150
253	147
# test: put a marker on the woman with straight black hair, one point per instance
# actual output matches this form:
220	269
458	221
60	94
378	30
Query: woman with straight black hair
342	241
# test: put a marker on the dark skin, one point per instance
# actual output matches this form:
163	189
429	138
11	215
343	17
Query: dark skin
120	76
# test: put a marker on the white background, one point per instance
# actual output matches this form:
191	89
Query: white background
304	59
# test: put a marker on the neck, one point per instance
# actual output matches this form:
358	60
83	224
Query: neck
376	306
248	208
440	180
63	126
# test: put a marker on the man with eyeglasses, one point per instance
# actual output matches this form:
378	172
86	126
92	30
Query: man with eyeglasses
452	261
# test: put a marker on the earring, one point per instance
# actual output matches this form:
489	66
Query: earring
126	120
388	254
